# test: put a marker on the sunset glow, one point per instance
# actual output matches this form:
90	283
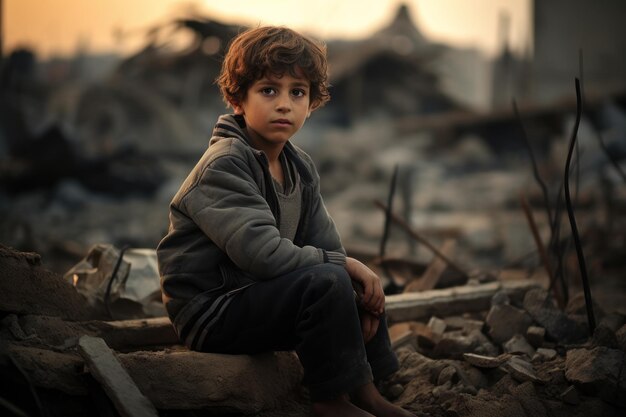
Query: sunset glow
59	27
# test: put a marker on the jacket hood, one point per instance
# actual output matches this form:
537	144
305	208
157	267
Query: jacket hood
230	126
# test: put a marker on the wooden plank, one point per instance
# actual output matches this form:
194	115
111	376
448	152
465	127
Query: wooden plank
450	301
435	269
402	223
119	386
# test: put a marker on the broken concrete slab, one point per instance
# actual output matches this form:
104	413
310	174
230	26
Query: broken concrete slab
241	384
54	331
115	380
505	321
450	301
237	383
518	344
600	372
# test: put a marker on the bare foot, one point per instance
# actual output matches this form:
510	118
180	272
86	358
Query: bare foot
368	398
340	407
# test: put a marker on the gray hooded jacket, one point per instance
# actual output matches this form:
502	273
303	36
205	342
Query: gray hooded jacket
223	233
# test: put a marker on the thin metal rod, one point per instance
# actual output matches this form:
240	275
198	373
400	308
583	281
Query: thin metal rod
572	219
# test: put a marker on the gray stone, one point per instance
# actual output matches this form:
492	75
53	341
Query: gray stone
500	298
470	376
481	361
521	370
437	325
462	323
487	349
504	321
453	345
544	354
604	336
598	372
518	344
535	336
478	336
541	307
447	374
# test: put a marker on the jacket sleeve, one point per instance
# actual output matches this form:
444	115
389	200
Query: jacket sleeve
227	205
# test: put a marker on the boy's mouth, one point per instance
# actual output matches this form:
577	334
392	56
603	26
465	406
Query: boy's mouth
282	122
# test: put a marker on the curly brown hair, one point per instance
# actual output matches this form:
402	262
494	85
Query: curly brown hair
273	50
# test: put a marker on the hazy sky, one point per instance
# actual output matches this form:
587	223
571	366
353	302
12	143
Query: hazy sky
56	26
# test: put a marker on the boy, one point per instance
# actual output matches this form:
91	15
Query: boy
252	261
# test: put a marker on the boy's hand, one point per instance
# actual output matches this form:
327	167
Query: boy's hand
373	296
369	325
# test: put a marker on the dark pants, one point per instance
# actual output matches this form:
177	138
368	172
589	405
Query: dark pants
312	311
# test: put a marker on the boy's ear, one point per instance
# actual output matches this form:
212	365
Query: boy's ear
312	108
237	109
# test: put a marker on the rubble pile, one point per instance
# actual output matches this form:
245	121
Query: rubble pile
512	352
526	359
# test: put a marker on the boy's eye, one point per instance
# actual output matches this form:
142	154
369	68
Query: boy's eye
298	92
268	91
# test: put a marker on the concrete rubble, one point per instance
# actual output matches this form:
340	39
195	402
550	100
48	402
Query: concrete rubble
450	364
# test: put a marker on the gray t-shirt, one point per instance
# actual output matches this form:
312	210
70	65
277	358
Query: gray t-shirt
289	199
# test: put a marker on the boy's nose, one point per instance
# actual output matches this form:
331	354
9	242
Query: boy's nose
283	104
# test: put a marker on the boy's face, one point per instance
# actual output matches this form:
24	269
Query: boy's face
275	108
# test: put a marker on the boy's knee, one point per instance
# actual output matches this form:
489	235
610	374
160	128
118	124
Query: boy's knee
331	277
